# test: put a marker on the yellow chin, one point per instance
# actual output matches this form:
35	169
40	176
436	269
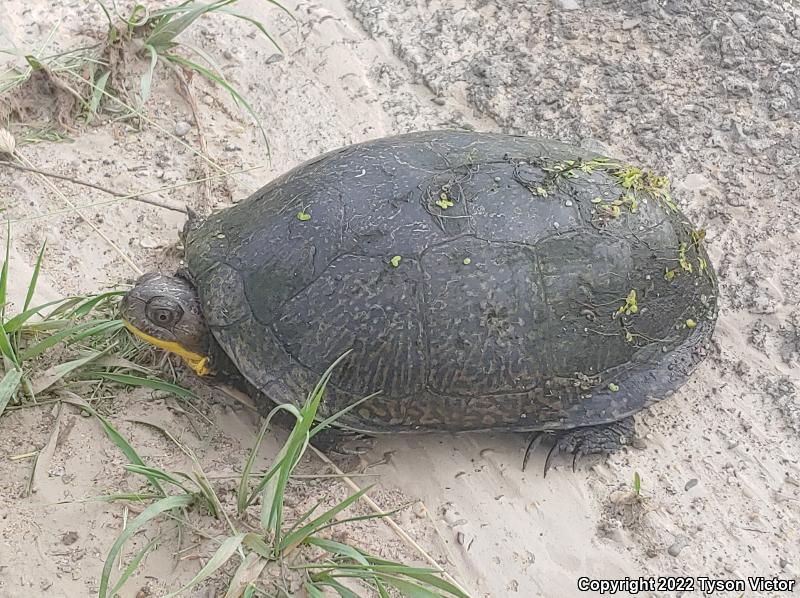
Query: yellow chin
199	363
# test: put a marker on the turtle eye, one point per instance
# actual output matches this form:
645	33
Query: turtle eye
163	312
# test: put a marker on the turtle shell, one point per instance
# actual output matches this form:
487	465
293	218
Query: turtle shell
482	281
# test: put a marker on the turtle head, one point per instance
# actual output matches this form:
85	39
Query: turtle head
165	311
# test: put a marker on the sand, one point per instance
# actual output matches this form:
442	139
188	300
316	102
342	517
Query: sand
707	95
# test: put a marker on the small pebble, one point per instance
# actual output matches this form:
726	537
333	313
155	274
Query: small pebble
629	24
556	225
690	484
740	20
182	127
438	101
677	546
568	4
695	182
148	243
208	100
568	203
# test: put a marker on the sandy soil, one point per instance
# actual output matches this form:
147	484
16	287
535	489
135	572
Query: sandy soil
707	93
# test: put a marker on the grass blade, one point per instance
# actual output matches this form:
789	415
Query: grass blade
366	517
257	545
152	511
53	374
167	28
409	588
4	275
290	455
15	323
205	56
382	593
52	340
67	304
131	380
244	482
118	439
243	500
338	549
343	591
388	573
97	95
99	329
283	8
133	565
313	591
422	574
86	305
258	24
437	582
273	495
111	361
328	421
222	82
6	348
291	541
208	493
8	387
224	552
278	459
147	78
156	473
246	573
108	16
34	278
132	496
304	517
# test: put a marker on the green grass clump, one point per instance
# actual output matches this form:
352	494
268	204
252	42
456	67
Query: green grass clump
277	542
76	340
142	41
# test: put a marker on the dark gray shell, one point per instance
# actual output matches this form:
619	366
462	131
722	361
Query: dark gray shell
505	310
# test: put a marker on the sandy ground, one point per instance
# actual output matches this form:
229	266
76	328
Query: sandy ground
707	93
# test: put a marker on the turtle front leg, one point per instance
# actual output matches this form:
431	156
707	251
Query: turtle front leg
589	440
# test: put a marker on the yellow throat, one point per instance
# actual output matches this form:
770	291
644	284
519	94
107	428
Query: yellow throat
199	363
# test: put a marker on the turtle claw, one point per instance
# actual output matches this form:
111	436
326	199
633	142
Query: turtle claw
575	456
589	440
548	462
533	444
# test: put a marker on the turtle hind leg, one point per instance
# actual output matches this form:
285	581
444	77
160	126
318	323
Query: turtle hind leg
589	440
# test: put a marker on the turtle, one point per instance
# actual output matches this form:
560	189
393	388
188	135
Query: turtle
479	281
